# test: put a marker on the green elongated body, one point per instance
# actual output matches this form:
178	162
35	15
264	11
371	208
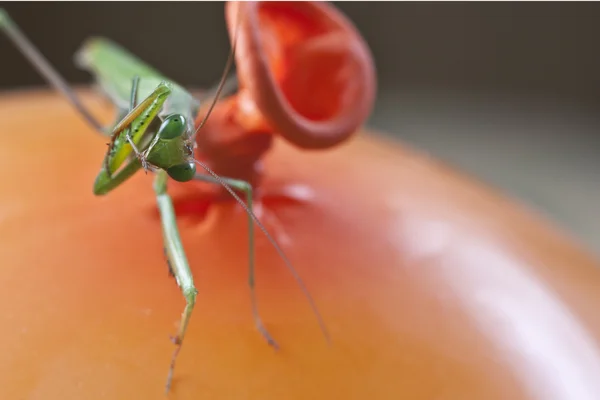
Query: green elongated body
114	68
154	133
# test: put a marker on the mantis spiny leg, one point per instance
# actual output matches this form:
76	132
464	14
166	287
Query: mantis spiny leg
177	261
128	136
117	153
149	107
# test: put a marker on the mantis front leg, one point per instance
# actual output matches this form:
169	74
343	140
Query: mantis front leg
178	263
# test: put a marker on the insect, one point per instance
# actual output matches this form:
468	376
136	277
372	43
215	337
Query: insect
154	131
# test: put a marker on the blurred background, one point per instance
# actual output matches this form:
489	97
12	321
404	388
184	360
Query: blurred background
508	92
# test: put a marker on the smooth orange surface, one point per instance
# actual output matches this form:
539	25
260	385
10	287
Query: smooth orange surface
433	286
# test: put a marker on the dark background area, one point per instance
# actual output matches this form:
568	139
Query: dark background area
544	48
509	92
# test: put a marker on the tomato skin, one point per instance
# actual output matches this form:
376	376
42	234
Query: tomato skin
433	285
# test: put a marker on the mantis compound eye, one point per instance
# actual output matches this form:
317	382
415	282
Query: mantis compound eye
173	126
183	172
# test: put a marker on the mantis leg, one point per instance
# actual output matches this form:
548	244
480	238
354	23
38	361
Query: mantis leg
178	263
36	58
149	107
128	136
106	181
246	187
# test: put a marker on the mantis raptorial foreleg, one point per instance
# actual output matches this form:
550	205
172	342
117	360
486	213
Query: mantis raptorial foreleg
46	70
136	121
178	263
133	103
128	136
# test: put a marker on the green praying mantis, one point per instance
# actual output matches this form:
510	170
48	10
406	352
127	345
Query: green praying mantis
156	134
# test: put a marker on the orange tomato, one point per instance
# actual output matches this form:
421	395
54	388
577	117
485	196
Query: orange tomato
433	286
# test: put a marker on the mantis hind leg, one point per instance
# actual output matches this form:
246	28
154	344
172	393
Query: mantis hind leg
246	187
178	264
35	57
